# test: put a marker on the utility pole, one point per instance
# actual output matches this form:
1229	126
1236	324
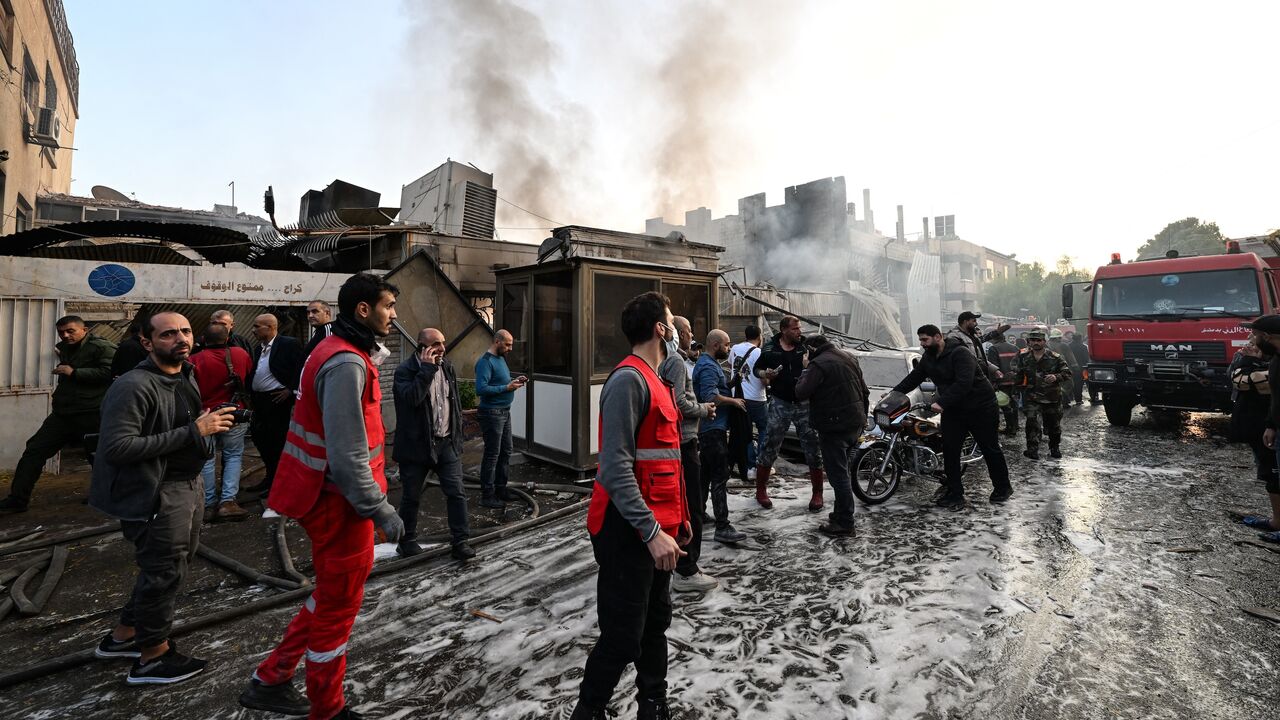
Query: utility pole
233	192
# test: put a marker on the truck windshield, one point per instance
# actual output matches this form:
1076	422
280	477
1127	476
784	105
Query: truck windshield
1210	293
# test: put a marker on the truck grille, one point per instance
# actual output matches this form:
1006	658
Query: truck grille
1176	351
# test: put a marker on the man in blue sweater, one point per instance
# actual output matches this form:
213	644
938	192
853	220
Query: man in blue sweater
496	389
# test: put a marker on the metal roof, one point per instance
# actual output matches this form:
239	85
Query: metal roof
215	244
145	253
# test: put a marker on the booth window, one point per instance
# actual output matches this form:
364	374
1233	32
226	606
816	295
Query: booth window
609	345
515	308
553	323
693	301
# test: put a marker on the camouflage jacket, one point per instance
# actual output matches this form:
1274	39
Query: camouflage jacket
1029	376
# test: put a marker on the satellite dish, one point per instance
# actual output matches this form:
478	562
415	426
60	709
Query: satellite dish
102	192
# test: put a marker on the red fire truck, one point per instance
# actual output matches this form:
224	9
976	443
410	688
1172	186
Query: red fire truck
1162	332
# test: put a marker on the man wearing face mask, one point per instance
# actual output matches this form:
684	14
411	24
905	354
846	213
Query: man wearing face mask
638	519
331	480
968	406
713	433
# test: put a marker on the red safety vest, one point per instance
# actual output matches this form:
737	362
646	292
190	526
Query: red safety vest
300	477
657	468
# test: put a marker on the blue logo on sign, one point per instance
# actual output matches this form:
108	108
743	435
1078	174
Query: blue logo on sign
112	280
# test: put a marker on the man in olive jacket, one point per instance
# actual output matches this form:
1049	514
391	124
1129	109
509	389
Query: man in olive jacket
84	373
154	443
837	394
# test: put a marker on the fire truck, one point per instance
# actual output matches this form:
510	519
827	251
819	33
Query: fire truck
1162	332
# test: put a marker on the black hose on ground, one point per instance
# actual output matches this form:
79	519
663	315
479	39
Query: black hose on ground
84	657
61	539
286	557
52	574
444	537
245	571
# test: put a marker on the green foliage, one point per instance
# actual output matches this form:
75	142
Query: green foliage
467	394
1188	236
1033	290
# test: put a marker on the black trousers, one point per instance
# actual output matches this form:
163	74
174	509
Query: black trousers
740	437
269	428
633	607
413	476
715	474
982	424
58	431
164	546
690	461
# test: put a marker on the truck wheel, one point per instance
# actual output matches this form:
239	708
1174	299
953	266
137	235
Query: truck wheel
1119	412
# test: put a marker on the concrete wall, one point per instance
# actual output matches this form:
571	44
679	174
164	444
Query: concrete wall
31	169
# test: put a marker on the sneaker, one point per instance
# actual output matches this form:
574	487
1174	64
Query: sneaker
1029	453
491	501
653	709
170	667
210	513
110	648
729	535
462	551
697	582
283	698
999	496
751	474
408	548
12	504
951	502
231	511
582	711
504	494
835	529
1055	453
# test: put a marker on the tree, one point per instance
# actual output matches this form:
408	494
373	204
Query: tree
1032	290
1188	236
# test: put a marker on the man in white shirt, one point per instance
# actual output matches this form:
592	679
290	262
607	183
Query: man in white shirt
273	378
742	360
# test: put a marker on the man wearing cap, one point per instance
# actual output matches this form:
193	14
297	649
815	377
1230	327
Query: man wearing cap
1041	374
966	330
1059	346
1266	333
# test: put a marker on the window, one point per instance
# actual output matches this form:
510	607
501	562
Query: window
693	301
30	82
22	215
1220	293
59	212
609	345
515	312
552	330
6	31
50	88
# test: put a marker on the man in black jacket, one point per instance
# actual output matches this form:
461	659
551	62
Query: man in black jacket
429	437
1002	353
130	351
780	365
1266	333
968	407
154	442
273	380
837	394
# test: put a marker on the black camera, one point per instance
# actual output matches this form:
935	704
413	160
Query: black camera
239	415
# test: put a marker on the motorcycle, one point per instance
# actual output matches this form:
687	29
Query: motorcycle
901	438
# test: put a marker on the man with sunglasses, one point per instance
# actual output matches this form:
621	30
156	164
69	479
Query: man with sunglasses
1041	374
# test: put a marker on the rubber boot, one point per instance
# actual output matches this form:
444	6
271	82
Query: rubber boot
817	478
762	486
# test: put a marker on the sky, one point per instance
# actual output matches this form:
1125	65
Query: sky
1046	129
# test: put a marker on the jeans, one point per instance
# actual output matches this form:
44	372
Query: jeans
495	425
231	445
633	607
782	413
56	432
448	467
692	467
959	423
758	411
836	448
715	474
164	546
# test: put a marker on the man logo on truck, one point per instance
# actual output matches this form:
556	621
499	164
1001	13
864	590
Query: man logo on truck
1171	348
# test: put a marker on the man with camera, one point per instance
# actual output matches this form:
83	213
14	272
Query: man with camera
429	437
968	406
781	364
153	442
221	370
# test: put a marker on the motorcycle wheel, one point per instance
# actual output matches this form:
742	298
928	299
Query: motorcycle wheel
871	487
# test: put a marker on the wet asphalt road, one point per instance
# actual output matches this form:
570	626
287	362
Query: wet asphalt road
1068	602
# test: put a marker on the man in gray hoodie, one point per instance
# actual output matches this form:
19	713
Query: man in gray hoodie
153	444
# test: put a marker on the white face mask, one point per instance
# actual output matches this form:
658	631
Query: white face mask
380	354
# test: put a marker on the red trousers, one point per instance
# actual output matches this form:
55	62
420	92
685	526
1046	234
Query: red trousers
342	548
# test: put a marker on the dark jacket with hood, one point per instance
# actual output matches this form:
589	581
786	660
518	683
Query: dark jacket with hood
139	434
415	437
82	390
961	383
835	389
128	355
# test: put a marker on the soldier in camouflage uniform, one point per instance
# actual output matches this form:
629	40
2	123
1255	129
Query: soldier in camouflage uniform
1044	377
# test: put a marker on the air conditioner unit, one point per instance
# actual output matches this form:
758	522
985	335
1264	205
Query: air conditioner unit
48	127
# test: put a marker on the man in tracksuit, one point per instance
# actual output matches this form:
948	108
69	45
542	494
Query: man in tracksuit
638	518
837	394
968	406
331	480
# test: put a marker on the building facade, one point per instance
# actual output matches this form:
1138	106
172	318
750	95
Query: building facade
40	82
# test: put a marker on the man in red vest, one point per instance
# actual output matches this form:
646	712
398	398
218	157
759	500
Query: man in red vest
638	517
331	479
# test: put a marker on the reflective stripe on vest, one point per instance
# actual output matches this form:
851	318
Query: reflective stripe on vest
658	470
300	477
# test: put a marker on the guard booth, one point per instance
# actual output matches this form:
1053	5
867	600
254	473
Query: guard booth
564	316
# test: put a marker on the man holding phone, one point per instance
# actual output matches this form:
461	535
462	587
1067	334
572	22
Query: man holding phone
496	390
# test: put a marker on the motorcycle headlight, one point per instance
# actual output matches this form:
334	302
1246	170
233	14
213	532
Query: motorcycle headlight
882	419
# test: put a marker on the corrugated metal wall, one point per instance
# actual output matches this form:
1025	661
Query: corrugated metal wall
27	338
